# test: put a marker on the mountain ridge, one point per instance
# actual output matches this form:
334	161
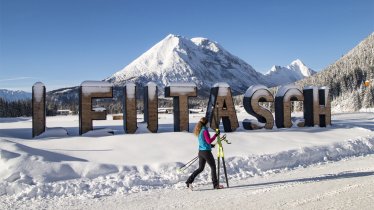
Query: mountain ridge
198	60
295	71
14	95
346	76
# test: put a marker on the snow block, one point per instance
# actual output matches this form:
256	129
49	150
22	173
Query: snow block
252	124
88	91
317	106
283	106
151	106
221	105
53	132
129	108
38	109
252	97
180	93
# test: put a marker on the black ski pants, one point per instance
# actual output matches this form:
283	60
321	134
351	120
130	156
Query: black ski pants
204	157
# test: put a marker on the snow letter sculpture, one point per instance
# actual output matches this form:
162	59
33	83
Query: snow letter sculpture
129	108
252	97
151	106
283	98
317	106
221	105
180	93
88	91
38	109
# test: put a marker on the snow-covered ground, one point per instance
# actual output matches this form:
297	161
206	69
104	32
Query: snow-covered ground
346	184
293	167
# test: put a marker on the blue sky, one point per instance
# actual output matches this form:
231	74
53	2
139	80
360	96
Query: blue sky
63	43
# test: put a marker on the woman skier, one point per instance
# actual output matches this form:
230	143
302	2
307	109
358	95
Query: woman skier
205	153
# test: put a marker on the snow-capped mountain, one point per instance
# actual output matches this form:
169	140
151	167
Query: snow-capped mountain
14	95
198	60
346	78
297	70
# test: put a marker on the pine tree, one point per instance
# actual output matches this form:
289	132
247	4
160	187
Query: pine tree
357	101
368	100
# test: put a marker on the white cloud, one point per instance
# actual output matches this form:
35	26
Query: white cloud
15	78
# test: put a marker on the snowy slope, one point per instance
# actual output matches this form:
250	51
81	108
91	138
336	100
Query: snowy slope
346	78
89	167
198	60
297	70
346	184
14	95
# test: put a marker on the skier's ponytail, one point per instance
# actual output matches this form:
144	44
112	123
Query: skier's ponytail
202	122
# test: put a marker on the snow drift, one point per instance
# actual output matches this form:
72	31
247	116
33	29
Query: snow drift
98	166
43	176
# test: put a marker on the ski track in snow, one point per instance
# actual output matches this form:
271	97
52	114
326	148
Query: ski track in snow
349	186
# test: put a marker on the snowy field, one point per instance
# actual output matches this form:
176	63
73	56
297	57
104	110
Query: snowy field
278	168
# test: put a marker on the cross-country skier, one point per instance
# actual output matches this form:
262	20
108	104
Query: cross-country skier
205	153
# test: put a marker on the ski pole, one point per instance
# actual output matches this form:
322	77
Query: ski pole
188	164
191	161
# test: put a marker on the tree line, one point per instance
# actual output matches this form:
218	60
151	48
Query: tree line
20	108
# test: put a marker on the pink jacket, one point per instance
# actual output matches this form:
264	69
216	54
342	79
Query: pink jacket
207	137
